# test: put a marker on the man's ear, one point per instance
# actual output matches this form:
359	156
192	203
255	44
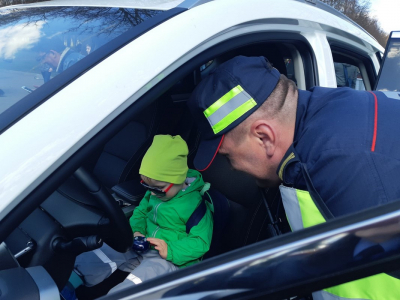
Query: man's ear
264	131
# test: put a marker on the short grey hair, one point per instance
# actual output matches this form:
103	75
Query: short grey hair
281	105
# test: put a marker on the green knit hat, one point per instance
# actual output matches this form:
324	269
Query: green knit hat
166	159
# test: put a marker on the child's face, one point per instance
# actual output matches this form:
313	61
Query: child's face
162	186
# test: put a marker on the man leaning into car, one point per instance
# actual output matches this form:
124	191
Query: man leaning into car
332	152
58	57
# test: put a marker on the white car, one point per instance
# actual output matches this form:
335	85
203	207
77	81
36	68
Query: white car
85	85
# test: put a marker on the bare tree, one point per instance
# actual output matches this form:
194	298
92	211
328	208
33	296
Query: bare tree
13	2
108	20
359	11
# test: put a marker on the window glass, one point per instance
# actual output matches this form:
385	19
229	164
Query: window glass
205	66
389	79
290	68
37	44
348	75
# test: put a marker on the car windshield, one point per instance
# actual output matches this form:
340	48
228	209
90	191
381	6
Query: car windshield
38	43
390	73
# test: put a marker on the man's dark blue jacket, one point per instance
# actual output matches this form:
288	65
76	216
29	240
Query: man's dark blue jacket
350	142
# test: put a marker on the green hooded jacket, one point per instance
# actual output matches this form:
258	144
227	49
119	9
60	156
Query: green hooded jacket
166	220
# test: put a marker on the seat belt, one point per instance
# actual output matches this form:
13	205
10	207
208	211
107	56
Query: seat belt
272	223
197	215
322	207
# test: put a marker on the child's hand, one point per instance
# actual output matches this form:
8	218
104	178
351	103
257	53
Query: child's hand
160	245
137	233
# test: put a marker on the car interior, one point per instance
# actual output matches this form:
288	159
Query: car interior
79	210
366	75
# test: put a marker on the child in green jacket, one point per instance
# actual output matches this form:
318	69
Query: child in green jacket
174	192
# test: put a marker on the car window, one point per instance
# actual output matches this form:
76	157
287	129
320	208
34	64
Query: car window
290	69
348	75
37	44
206	65
389	77
353	67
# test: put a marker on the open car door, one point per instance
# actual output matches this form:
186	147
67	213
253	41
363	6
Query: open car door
389	75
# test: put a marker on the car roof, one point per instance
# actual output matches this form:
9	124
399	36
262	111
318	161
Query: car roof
140	4
167	4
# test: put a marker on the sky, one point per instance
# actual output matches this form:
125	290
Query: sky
388	14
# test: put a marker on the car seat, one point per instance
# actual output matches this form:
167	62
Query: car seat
118	158
121	153
248	219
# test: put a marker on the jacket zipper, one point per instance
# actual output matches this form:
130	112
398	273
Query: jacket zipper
155	231
155	219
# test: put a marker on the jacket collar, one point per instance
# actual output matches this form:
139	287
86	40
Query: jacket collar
301	113
291	157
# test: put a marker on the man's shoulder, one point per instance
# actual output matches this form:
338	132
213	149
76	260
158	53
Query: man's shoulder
333	101
329	116
71	58
318	91
74	54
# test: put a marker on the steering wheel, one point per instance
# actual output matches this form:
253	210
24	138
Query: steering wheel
122	236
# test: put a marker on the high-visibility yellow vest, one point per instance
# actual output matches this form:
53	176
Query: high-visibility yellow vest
302	212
